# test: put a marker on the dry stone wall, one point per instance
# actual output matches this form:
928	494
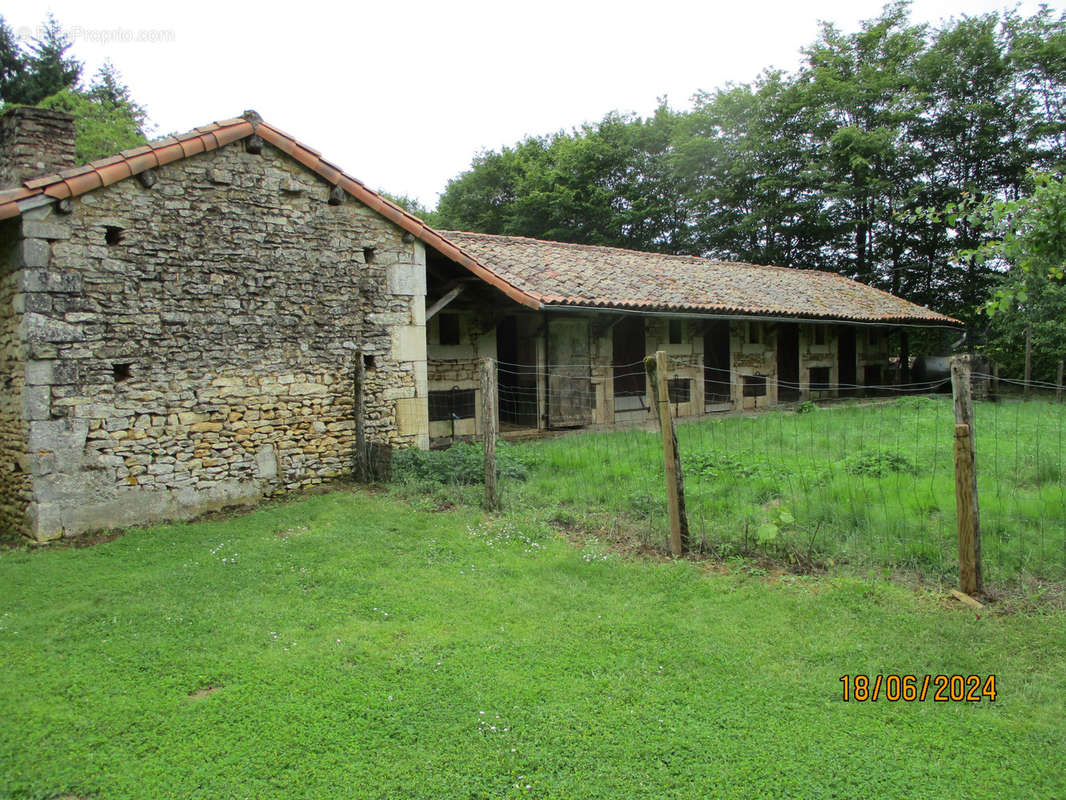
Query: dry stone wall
15	487
192	344
34	141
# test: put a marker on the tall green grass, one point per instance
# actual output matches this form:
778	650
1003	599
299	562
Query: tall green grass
351	646
867	484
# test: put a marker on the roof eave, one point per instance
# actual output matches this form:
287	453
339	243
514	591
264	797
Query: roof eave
766	316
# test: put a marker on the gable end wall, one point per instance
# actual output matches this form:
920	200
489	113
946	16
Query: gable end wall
237	301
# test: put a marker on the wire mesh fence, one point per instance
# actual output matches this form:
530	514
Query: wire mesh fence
865	478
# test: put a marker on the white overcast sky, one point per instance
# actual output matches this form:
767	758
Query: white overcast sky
403	93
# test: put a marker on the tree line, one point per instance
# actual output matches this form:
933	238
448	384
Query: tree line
833	165
41	72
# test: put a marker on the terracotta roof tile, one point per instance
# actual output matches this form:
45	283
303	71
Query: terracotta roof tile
193	145
139	162
279	140
563	274
224	136
113	173
136	151
306	157
105	171
79	184
528	271
58	190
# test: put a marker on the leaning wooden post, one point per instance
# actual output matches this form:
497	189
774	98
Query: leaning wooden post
1058	389
489	424
966	507
362	465
656	368
1028	359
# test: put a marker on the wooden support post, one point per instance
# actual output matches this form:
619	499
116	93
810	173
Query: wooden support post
904	357
362	460
1028	360
1058	390
995	380
489	424
675	485
966	506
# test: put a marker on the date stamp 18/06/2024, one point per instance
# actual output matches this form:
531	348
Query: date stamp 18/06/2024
919	688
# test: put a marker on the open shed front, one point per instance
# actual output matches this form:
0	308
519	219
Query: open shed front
562	370
570	325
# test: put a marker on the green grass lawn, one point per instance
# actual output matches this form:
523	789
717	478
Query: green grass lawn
349	645
867	485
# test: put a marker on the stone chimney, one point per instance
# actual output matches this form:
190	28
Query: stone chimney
34	142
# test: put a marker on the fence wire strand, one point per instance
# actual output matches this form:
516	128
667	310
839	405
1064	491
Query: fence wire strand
863	479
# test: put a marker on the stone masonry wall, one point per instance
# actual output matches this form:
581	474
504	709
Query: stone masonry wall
192	345
14	479
34	141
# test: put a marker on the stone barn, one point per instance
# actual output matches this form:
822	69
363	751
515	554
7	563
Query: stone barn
183	324
222	316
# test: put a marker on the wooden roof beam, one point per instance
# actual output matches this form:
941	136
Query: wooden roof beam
452	293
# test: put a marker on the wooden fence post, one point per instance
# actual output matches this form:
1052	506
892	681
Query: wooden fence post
966	507
362	465
489	424
1058	390
656	368
995	379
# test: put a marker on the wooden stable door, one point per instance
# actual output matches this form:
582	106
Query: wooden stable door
570	396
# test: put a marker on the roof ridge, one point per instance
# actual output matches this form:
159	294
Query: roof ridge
570	274
106	171
678	256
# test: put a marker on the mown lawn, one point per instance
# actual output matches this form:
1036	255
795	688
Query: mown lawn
349	645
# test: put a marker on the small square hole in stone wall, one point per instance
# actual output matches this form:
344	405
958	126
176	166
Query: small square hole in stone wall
368	254
121	372
370	362
112	234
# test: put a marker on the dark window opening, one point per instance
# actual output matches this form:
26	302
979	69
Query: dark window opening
820	377
846	366
819	335
871	375
112	234
874	338
518	387
629	351
675	331
754	334
448	328
680	390
121	372
717	375
754	385
451	404
788	362
368	254
370	362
